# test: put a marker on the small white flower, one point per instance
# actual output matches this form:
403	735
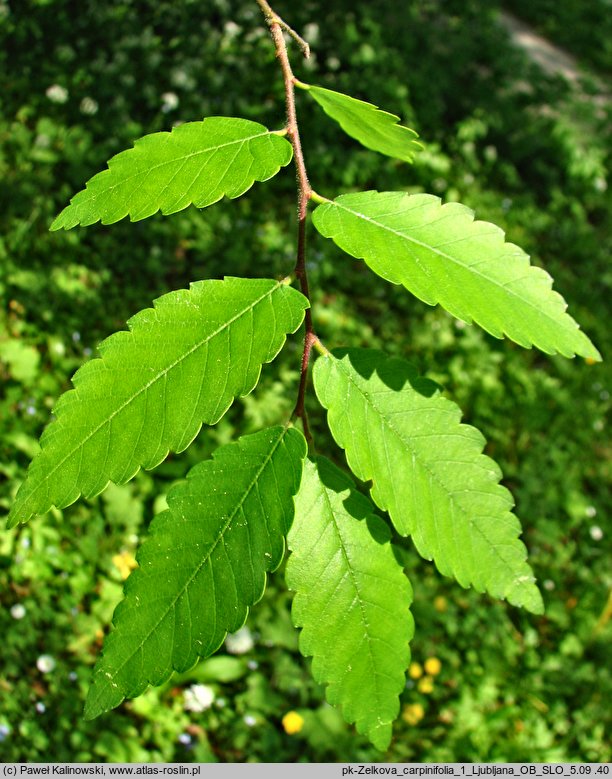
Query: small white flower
249	720
40	708
57	94
198	697
18	611
600	184
170	101
184	739
596	533
4	732
253	665
239	643
549	585
45	664
231	29
88	106
311	32
590	511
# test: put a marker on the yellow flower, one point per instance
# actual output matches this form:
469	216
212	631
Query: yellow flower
433	666
413	713
426	685
415	671
124	562
292	722
440	603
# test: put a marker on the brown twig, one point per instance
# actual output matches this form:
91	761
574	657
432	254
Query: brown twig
304	192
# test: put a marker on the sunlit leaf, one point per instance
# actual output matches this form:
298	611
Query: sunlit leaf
198	162
352	599
427	470
180	365
442	255
373	128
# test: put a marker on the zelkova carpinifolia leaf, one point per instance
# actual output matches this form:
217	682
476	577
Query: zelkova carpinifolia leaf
197	162
179	365
366	123
352	599
427	470
203	564
441	255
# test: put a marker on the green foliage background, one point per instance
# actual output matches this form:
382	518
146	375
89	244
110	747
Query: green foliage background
521	148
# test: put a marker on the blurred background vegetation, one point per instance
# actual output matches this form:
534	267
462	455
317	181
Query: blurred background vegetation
524	148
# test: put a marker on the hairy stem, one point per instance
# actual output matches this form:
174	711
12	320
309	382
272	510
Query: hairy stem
304	191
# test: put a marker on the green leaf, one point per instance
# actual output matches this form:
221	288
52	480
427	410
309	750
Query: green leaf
428	471
197	162
21	359
373	128
442	256
203	564
180	365
352	599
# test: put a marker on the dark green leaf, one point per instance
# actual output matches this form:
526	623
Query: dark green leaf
203	565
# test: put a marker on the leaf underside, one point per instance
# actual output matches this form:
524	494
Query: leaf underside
196	163
373	128
441	255
180	365
352	600
428	471
203	564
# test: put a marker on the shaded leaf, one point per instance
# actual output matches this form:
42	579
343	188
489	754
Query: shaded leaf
373	128
428	471
203	564
197	162
442	255
180	365
352	599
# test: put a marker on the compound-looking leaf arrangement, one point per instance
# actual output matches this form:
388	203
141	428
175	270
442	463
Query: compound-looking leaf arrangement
181	364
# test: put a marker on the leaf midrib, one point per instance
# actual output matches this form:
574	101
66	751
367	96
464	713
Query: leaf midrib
156	378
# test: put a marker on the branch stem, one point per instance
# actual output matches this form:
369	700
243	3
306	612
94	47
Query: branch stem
304	191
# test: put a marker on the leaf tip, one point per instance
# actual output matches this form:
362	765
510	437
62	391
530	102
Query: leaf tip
13	518
102	696
527	596
593	357
55	225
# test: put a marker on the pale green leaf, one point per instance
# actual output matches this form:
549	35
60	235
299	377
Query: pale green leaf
373	128
180	365
21	359
197	162
203	564
442	255
427	470
352	599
